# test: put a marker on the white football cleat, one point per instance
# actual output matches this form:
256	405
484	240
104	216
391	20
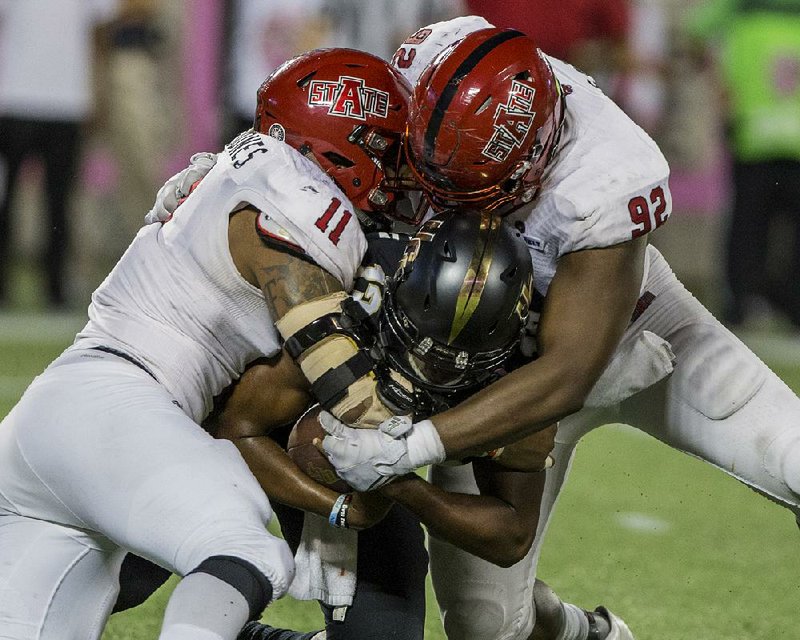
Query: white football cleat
619	630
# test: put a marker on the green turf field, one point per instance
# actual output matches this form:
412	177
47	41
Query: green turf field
676	548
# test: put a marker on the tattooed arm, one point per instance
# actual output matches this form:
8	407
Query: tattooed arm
289	283
285	279
297	292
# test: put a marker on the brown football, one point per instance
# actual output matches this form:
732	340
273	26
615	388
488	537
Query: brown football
301	449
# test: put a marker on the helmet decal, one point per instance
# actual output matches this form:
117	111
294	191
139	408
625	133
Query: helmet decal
349	98
475	278
525	298
348	110
424	234
512	122
277	131
450	90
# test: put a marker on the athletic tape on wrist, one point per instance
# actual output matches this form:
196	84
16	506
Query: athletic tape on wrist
424	445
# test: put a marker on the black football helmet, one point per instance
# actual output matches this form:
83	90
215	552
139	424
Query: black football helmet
456	307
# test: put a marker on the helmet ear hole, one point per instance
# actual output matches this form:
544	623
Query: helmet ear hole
447	253
484	105
338	159
508	274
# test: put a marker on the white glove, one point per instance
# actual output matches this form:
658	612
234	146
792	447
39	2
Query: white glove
370	458
179	186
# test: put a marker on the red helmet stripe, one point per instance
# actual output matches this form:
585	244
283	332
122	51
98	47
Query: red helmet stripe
467	65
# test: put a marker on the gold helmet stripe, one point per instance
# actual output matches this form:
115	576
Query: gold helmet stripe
475	279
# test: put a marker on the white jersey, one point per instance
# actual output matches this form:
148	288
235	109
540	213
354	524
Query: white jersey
608	184
609	181
678	374
176	303
422	47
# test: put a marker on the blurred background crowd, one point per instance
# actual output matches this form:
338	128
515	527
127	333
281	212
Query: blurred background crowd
102	100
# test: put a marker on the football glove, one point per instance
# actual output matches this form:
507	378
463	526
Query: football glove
178	187
369	458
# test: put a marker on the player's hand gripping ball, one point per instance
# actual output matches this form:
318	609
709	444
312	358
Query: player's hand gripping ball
304	453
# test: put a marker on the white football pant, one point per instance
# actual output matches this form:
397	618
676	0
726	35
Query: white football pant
96	460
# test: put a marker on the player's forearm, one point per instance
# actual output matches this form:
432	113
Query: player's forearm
281	479
482	525
586	311
523	402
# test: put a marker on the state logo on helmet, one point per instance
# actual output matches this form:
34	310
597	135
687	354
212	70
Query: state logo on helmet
347	109
484	121
455	310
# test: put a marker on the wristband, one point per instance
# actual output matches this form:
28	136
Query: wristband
338	515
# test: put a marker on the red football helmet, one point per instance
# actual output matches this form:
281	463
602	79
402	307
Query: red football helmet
484	121
346	108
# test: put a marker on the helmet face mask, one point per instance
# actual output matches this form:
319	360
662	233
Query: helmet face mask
484	122
440	376
454	311
346	110
397	185
433	365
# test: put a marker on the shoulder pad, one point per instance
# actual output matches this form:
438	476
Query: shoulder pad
299	199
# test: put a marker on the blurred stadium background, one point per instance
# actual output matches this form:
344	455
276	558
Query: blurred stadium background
194	86
675	547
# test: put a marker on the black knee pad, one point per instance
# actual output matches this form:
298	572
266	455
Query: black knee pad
242	576
138	580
